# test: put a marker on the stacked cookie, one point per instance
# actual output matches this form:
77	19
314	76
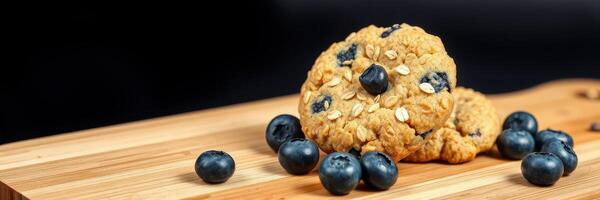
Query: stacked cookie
393	90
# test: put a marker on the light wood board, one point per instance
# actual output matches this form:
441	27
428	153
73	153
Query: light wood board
154	159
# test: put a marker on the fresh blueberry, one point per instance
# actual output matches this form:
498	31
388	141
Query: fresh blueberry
378	170
546	135
374	79
340	173
541	168
390	30
281	129
214	166
439	81
347	54
515	144
564	152
319	104
521	120
298	156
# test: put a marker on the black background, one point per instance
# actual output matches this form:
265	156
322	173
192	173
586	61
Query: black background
72	67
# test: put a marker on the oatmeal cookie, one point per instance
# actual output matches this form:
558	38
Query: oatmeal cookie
472	128
381	89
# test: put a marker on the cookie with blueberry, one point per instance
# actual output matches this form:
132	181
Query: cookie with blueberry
381	89
472	128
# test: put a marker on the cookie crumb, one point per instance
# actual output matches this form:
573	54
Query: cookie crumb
595	127
427	88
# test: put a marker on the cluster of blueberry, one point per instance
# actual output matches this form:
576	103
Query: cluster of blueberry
546	155
339	172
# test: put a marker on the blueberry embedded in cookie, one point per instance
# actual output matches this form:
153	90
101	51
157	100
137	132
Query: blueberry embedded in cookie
367	92
345	57
471	129
321	104
390	30
374	79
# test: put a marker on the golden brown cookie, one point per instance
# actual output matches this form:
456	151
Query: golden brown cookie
472	128
339	114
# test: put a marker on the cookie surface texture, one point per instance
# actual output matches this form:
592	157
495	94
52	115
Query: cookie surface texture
399	107
471	129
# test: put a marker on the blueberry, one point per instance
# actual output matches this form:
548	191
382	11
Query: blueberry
298	156
378	170
347	54
374	79
390	30
515	144
340	173
546	135
439	81
281	129
214	166
319	104
541	168
564	152
521	120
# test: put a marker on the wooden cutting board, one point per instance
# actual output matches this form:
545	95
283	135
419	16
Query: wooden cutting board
154	159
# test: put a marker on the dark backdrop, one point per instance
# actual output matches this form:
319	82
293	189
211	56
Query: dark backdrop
72	67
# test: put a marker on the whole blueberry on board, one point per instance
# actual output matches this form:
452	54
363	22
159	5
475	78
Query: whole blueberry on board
340	173
521	120
281	129
541	168
298	156
374	79
564	152
546	135
378	170
214	166
515	144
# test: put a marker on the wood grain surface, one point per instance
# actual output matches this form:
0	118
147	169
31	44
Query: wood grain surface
154	159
